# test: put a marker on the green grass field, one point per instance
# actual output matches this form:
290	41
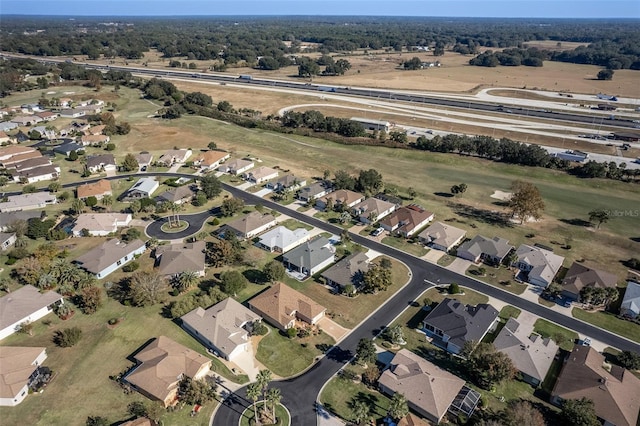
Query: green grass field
609	321
339	393
403	244
498	277
563	337
509	312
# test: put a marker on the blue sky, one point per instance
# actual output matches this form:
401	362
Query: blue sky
462	8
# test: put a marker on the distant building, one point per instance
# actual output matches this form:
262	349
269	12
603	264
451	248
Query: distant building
370	124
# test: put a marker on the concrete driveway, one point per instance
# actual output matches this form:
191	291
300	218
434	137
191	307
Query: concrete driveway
433	256
459	265
263	192
247	363
332	328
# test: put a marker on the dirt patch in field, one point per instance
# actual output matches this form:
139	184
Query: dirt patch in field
501	195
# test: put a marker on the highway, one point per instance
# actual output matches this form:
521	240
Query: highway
299	393
349	91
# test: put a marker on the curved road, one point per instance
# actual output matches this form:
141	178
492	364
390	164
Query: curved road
299	393
195	221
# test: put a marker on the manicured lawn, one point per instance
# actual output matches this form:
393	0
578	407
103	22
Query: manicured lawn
339	393
282	415
446	260
563	337
608	321
183	416
333	217
469	297
403	244
509	312
350	311
286	357
545	302
293	224
497	277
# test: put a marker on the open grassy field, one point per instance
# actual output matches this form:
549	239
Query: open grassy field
609	321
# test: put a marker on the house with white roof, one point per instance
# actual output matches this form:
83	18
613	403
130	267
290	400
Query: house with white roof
372	210
25	304
143	188
99	224
282	239
539	266
36	200
630	306
260	174
236	167
441	236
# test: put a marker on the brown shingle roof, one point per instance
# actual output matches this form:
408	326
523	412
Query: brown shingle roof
106	254
614	394
16	365
342	196
408	218
250	222
580	276
208	158
176	258
98	188
281	303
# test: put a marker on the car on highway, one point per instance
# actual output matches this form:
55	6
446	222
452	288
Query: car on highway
377	232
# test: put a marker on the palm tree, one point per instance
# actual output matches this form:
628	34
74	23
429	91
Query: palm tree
360	410
175	209
107	201
186	280
65	272
253	393
77	206
398	407
47	281
86	280
274	397
263	379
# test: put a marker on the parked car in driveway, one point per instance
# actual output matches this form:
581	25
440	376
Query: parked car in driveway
377	232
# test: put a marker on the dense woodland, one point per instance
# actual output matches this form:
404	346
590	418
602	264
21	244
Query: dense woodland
243	40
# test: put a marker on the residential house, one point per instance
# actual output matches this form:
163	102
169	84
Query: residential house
282	239
580	276
101	162
143	188
260	174
45	132
67	148
36	200
77	127
20	137
96	189
613	390
144	159
30	163
5	126
441	236
31	108
452	324
236	167
65	102
348	271
91	109
224	328
4	138
8	219
630	306
342	198
429	390
96	130
281	306
26	120
286	183
25	304
99	224
211	159
491	251
109	256
314	191
7	240
310	257
19	370
176	258
174	156
179	195
406	221
250	225
160	367
18	158
531	354
537	265
372	210
412	420
37	174
6	152
73	113
94	140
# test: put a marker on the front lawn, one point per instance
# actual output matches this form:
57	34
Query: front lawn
563	337
446	260
509	312
338	395
469	297
293	224
286	357
406	246
497	277
609	321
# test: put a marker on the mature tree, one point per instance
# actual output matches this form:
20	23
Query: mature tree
91	201
375	279
211	186
307	67
459	189
343	180
97	421
366	351
360	411
231	206
67	337
521	413
274	271
254	391
600	216
196	391
398	407
222	252
274	396
579	412
107	201
77	206
605	74
395	334
137	409
232	282
412	192
54	187
185	281
3	181
90	300
212	145
488	366
264	379
629	360
370	182
525	201
130	164
454	288
146	288
198	98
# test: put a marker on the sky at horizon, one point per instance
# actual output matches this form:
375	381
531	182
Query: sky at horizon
428	8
